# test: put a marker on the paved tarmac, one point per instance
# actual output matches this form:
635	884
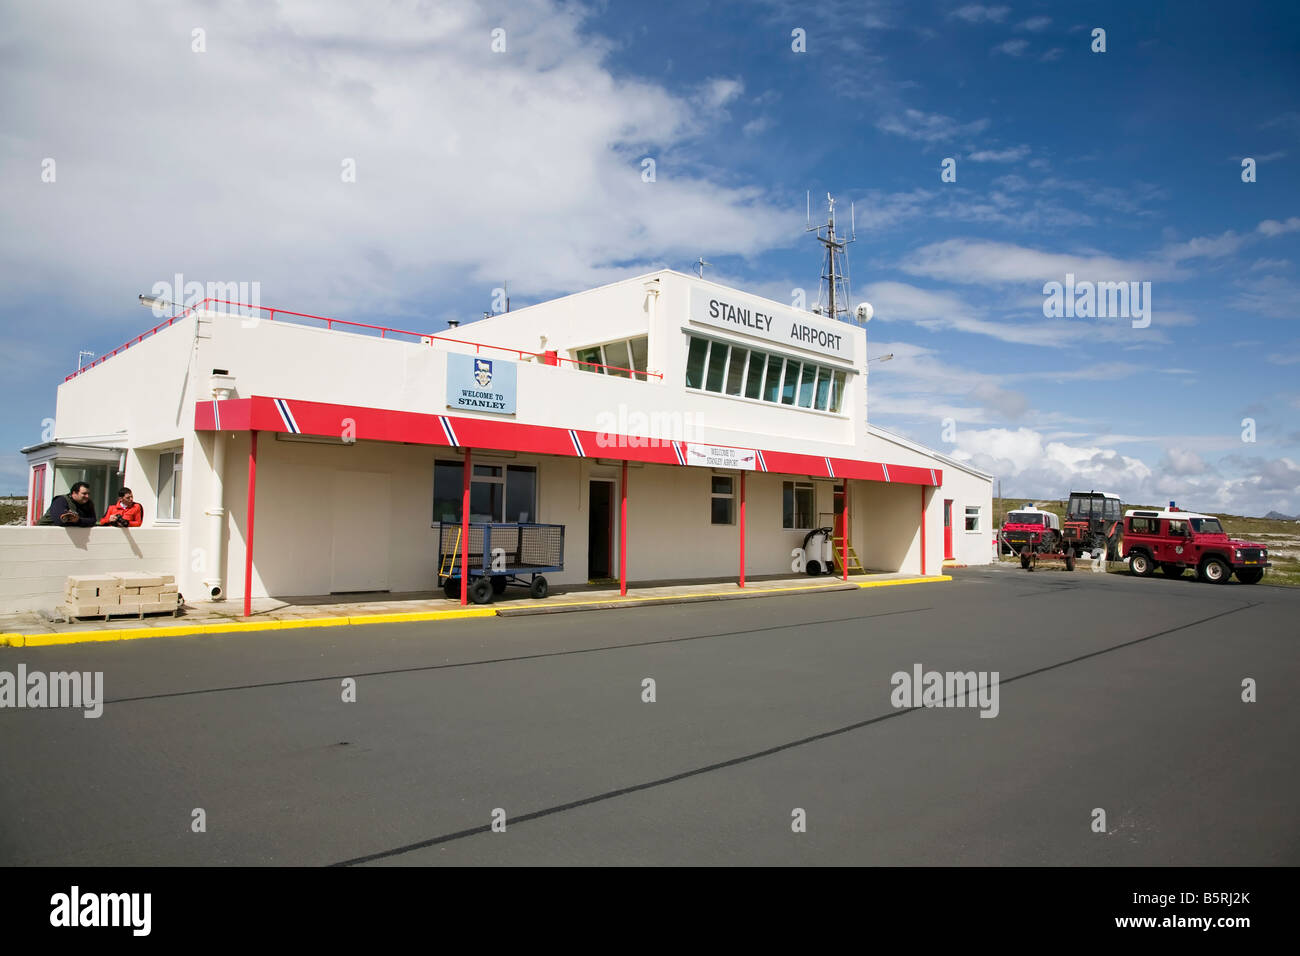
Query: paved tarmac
1114	693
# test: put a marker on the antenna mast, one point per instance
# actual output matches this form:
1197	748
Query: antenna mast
833	296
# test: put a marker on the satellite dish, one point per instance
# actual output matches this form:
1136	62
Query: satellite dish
864	312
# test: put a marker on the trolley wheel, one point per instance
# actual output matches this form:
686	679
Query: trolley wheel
1069	559
538	588
1250	575
813	568
499	585
451	588
480	591
1024	557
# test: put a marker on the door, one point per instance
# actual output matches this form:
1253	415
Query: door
38	493
359	517
600	530
947	529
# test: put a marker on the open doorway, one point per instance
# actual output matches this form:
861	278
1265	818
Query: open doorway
600	529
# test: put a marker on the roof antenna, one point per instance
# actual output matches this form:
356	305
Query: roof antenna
700	264
833	295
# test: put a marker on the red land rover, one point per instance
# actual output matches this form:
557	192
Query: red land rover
1176	540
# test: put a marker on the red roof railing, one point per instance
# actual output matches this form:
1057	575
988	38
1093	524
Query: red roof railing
384	332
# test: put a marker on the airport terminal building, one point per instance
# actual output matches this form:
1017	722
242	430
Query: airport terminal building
678	429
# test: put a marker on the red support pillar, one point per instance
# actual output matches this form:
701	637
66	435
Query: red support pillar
622	537
923	530
248	545
464	528
844	541
742	529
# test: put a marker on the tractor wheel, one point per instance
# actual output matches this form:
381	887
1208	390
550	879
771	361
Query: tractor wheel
480	591
1069	559
1172	570
1024	558
1250	575
499	585
1139	563
1215	571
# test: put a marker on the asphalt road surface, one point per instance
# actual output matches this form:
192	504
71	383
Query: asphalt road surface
1114	693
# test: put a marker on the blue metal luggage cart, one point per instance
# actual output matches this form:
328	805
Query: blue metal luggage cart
500	553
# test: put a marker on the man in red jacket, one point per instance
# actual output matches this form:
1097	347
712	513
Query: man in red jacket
126	513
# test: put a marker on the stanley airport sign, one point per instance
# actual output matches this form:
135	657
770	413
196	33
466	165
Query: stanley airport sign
779	326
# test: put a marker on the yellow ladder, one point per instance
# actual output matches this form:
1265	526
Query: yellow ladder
449	558
855	566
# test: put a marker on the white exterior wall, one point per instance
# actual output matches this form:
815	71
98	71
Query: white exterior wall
148	394
35	563
963	486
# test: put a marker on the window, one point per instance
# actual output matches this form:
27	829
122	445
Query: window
735	370
1144	525
806	386
837	392
724	500
102	478
823	389
169	486
717	364
796	505
1178	528
754	383
972	517
772	386
695	363
496	492
616	358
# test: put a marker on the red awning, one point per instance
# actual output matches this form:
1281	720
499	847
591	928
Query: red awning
296	417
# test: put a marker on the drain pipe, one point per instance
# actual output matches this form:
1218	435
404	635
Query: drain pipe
214	585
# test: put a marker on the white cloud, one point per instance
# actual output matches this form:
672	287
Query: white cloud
978	13
471	166
1012	154
929	127
1035	24
1013	47
1271	227
984	262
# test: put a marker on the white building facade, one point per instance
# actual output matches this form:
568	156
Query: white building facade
677	428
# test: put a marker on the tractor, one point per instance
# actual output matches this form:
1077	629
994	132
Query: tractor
1094	521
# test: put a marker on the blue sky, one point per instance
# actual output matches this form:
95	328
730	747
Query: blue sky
474	166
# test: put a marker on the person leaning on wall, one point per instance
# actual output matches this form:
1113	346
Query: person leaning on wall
127	513
75	509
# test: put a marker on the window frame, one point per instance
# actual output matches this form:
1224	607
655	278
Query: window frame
795	488
729	497
967	515
597	358
822	386
172	512
502	481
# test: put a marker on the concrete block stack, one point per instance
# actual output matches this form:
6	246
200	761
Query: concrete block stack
136	593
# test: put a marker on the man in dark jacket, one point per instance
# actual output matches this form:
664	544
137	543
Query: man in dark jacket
75	509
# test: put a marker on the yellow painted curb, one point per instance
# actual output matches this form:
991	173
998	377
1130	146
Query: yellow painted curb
928	579
422	616
738	592
229	627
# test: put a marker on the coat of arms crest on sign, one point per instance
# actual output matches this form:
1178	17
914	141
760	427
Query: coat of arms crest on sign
483	372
